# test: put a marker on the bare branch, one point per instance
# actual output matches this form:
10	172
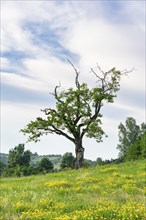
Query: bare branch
100	69
96	74
100	79
77	74
125	71
56	87
55	93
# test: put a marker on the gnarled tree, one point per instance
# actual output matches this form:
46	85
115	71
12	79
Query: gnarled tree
77	113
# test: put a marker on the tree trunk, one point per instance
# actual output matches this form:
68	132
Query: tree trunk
79	150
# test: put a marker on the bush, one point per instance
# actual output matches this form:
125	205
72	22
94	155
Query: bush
68	161
45	165
18	171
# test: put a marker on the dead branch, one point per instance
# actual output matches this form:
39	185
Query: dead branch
77	74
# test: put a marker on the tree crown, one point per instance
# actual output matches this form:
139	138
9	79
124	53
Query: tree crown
77	111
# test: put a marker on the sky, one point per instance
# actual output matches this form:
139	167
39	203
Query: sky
37	38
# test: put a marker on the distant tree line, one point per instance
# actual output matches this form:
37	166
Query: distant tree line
101	162
18	163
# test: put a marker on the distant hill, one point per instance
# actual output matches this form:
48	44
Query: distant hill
35	159
55	159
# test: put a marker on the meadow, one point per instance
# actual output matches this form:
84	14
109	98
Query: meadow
114	192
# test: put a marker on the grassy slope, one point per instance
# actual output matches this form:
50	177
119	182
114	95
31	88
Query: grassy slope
109	192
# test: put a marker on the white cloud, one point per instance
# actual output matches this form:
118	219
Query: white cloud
137	11
22	82
4	63
50	71
110	45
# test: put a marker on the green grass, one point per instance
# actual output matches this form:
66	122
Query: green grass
108	192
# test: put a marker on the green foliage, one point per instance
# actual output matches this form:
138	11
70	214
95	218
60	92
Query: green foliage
134	151
77	112
99	161
128	134
111	192
17	171
143	145
72	106
132	140
68	161
137	150
32	169
45	165
2	166
18	156
18	162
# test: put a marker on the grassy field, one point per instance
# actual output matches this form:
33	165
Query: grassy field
108	192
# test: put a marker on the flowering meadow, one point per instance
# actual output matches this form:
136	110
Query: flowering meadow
104	192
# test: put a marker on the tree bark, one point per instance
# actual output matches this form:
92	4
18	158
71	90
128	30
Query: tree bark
79	150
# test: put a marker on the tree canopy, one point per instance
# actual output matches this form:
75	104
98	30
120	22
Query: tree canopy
18	156
68	161
132	139
45	165
77	112
18	162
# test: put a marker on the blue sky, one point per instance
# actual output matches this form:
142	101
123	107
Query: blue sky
37	37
